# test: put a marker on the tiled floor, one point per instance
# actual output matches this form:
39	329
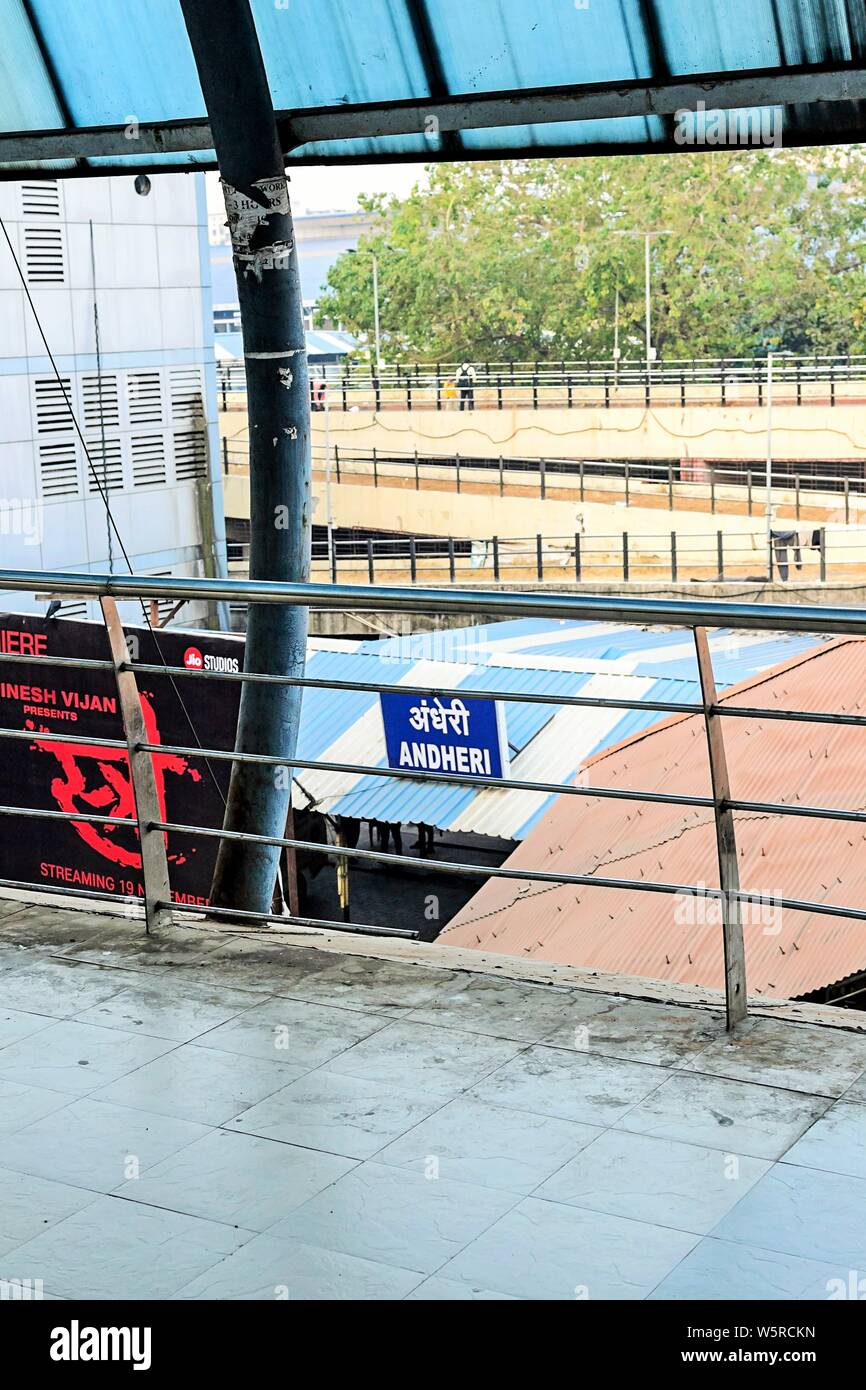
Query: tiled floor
205	1116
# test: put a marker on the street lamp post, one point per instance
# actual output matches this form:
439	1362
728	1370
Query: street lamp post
376	312
647	236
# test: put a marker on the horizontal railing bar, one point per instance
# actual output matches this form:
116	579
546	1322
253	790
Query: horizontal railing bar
50	737
62	891
322	924
84	664
362	598
787	808
423	775
527	875
413	775
373	688
40	814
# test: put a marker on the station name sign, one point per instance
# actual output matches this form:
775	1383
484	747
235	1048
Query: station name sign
432	734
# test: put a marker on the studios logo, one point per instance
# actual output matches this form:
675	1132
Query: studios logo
194	661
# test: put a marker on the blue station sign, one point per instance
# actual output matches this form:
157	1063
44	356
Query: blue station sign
445	734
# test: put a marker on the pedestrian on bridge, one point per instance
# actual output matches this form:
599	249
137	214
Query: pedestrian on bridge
466	379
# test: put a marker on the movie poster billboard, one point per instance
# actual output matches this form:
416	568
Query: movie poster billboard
39	773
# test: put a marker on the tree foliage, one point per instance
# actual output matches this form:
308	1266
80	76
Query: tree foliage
522	260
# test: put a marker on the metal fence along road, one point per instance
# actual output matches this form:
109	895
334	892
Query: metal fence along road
696	617
824	380
717	557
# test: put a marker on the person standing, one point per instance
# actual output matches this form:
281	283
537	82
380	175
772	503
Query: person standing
466	379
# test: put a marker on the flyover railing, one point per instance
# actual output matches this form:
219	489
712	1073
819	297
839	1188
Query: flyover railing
796	488
812	555
153	826
797	380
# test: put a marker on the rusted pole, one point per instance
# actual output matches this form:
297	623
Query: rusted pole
726	843
239	107
145	790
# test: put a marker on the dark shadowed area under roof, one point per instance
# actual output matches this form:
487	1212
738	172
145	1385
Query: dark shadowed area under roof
101	86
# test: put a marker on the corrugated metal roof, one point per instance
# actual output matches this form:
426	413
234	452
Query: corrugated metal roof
363	69
788	954
548	742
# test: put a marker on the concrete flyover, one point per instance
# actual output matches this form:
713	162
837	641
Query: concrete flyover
814	431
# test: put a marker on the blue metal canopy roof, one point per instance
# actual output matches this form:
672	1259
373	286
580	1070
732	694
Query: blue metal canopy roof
97	85
547	742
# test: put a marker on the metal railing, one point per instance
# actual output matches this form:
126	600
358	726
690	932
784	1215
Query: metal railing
696	616
733	488
797	380
716	557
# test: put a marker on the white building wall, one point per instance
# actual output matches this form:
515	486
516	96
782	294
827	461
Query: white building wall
146	406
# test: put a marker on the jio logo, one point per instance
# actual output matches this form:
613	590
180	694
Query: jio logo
193	659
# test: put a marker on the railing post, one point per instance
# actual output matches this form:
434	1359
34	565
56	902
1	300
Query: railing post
451	570
673	557
535	393
670	487
499	393
333	559
501	476
542	478
417	474
626	484
720	552
337	460
625	556
749	482
581	479
712	494
797	495
726	843
539	557
438	387
154	860
457	469
822	555
496	558
377	394
847	501
375	469
413	560
577	564
371	568
225	454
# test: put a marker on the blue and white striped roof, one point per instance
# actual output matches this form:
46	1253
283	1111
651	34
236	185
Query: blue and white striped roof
548	743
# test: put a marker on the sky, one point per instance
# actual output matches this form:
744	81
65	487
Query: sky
336	188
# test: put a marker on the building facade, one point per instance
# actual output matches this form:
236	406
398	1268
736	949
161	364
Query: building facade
127	409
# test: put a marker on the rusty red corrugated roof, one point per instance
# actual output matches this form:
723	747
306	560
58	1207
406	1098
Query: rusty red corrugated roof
788	953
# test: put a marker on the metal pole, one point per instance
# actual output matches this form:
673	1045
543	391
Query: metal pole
237	98
149	806
330	515
769	480
647	307
726	843
376	314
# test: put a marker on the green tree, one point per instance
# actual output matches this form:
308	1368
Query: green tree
521	260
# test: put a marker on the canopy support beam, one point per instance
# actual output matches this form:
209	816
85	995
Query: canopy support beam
642	97
236	93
